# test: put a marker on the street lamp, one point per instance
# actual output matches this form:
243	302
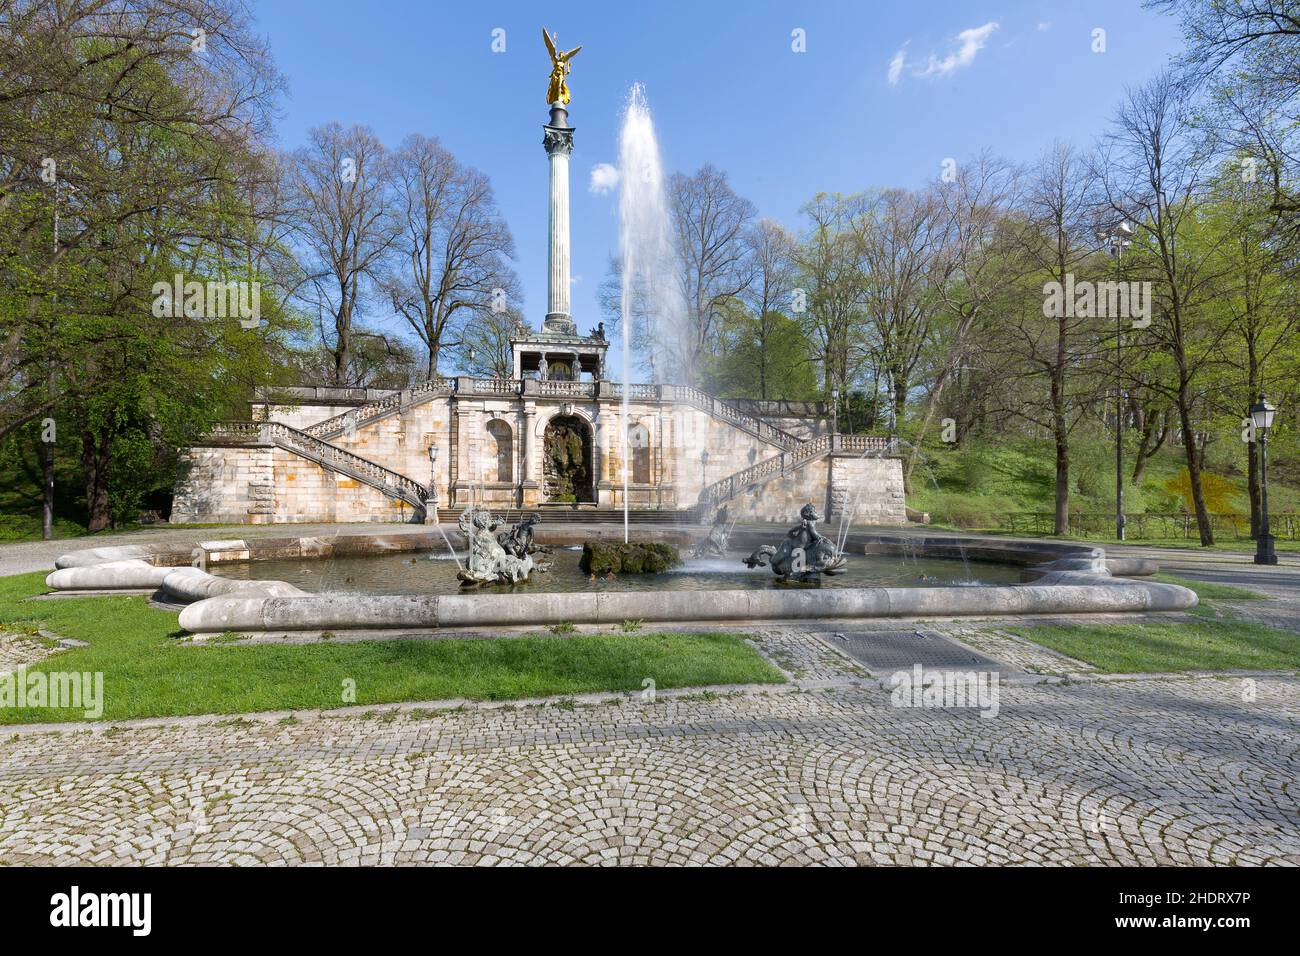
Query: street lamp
1120	239
1261	415
431	503
835	410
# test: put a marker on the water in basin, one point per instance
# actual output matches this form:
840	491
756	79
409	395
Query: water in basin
434	573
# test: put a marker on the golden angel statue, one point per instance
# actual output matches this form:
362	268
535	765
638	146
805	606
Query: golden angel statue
557	91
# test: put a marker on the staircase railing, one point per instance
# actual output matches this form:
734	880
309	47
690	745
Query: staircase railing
723	490
731	414
362	415
391	483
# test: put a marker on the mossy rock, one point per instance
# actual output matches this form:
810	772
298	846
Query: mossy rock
602	557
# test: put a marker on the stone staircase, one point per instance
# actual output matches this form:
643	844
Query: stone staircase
723	411
399	401
715	495
390	483
562	514
380	409
312	442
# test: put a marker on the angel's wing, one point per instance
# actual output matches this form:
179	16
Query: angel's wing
565	57
550	44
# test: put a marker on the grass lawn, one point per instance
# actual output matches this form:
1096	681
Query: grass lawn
1209	590
1212	640
149	673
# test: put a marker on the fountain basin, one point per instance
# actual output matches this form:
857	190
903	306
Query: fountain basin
415	612
1062	578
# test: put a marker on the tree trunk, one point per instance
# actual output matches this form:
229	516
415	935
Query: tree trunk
1062	486
1194	471
1154	432
47	489
94	465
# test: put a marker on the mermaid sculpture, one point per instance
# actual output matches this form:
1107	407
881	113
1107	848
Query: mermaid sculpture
804	554
489	562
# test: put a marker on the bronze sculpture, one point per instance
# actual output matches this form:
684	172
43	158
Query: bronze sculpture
557	91
804	555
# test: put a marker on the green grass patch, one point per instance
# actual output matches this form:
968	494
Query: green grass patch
1210	590
148	672
1203	644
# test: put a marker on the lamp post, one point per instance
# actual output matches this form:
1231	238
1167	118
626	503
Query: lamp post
1120	239
1261	415
835	410
431	503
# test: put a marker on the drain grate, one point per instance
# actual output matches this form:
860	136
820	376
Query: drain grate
885	651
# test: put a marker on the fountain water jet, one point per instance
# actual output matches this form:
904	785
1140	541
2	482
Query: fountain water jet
649	287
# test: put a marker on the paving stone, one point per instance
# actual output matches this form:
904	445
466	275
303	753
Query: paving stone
1160	771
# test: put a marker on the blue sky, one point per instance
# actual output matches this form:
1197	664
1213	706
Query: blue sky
724	85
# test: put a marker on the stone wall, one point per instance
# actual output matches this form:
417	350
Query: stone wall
687	449
306	492
871	489
234	485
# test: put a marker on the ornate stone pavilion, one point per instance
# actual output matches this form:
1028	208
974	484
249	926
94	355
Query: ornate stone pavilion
550	437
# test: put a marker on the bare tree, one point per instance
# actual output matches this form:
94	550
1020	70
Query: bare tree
344	227
898	232
771	255
709	225
1152	169
1248	53
829	260
1053	236
972	271
451	255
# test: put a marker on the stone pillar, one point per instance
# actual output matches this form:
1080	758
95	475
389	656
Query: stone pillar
558	141
529	461
605	458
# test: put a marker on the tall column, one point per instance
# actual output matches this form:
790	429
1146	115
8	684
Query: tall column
558	141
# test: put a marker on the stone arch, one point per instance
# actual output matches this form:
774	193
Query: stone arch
503	444
567	459
638	451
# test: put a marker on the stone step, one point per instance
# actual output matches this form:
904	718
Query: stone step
564	514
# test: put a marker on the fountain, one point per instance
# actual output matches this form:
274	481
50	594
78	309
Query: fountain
714	544
489	562
389	591
649	288
804	555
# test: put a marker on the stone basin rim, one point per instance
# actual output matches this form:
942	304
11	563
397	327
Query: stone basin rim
1072	578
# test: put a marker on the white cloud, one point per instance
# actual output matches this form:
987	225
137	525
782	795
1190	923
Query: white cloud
604	178
896	65
1044	26
968	43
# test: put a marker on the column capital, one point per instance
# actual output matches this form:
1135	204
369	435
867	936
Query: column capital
557	139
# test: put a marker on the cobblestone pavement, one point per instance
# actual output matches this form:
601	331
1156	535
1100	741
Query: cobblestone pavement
1193	770
1165	771
19	650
